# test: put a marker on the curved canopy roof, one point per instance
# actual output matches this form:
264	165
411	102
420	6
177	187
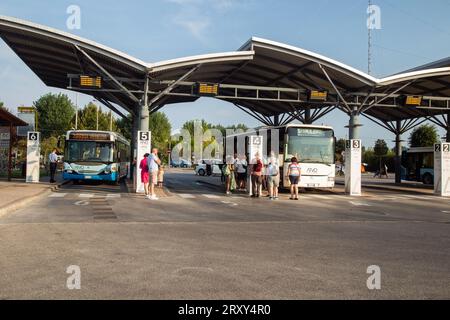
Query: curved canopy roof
264	77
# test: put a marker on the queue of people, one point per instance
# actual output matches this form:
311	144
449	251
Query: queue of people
263	176
152	173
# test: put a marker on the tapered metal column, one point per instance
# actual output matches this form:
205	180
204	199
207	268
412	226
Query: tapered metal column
398	152
144	113
308	115
354	125
134	130
276	120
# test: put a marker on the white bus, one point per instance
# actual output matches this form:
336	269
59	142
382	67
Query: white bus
95	155
312	145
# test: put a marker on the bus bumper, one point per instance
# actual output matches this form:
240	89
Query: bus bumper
95	177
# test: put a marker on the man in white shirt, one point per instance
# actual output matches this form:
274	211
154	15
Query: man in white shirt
53	160
153	167
240	165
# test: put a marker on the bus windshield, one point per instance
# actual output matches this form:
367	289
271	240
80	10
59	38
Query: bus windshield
89	151
311	145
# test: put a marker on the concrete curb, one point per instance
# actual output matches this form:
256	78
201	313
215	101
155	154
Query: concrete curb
22	203
391	189
8	209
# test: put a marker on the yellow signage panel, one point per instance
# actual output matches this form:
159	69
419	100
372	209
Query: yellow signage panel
26	109
413	100
88	81
316	95
207	89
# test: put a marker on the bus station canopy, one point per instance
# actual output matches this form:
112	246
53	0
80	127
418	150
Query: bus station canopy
264	78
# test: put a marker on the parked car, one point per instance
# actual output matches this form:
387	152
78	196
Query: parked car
181	163
201	169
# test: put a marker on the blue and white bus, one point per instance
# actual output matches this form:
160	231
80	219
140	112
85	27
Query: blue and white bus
418	165
96	155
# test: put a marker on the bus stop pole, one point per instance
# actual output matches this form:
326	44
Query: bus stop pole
398	152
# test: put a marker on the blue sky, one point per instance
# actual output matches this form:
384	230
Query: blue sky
413	33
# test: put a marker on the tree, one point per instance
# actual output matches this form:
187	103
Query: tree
55	114
87	118
160	128
423	136
124	127
380	150
340	147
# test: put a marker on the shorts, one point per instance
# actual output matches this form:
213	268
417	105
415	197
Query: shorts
242	176
273	181
294	179
144	177
153	177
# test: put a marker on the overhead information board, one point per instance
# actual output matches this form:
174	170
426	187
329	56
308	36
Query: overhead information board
89	81
207	89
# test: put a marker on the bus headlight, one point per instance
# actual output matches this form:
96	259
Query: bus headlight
111	168
67	168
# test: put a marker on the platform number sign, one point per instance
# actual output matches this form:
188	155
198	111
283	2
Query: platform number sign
144	136
256	140
33	136
437	148
446	148
356	144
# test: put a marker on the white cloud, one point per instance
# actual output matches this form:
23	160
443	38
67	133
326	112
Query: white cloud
194	15
196	27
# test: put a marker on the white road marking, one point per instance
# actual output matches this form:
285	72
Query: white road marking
211	196
414	197
318	196
57	195
230	203
82	203
186	196
86	195
113	195
360	204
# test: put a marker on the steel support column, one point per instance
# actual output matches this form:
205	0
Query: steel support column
354	124
144	113
134	130
276	120
308	119
398	152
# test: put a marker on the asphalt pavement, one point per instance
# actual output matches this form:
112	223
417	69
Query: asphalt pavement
198	243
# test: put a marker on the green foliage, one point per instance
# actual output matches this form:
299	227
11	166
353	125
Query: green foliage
87	119
124	127
381	148
47	146
55	114
160	128
374	162
423	136
340	145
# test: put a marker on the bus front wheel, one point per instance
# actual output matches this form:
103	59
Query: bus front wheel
427	179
